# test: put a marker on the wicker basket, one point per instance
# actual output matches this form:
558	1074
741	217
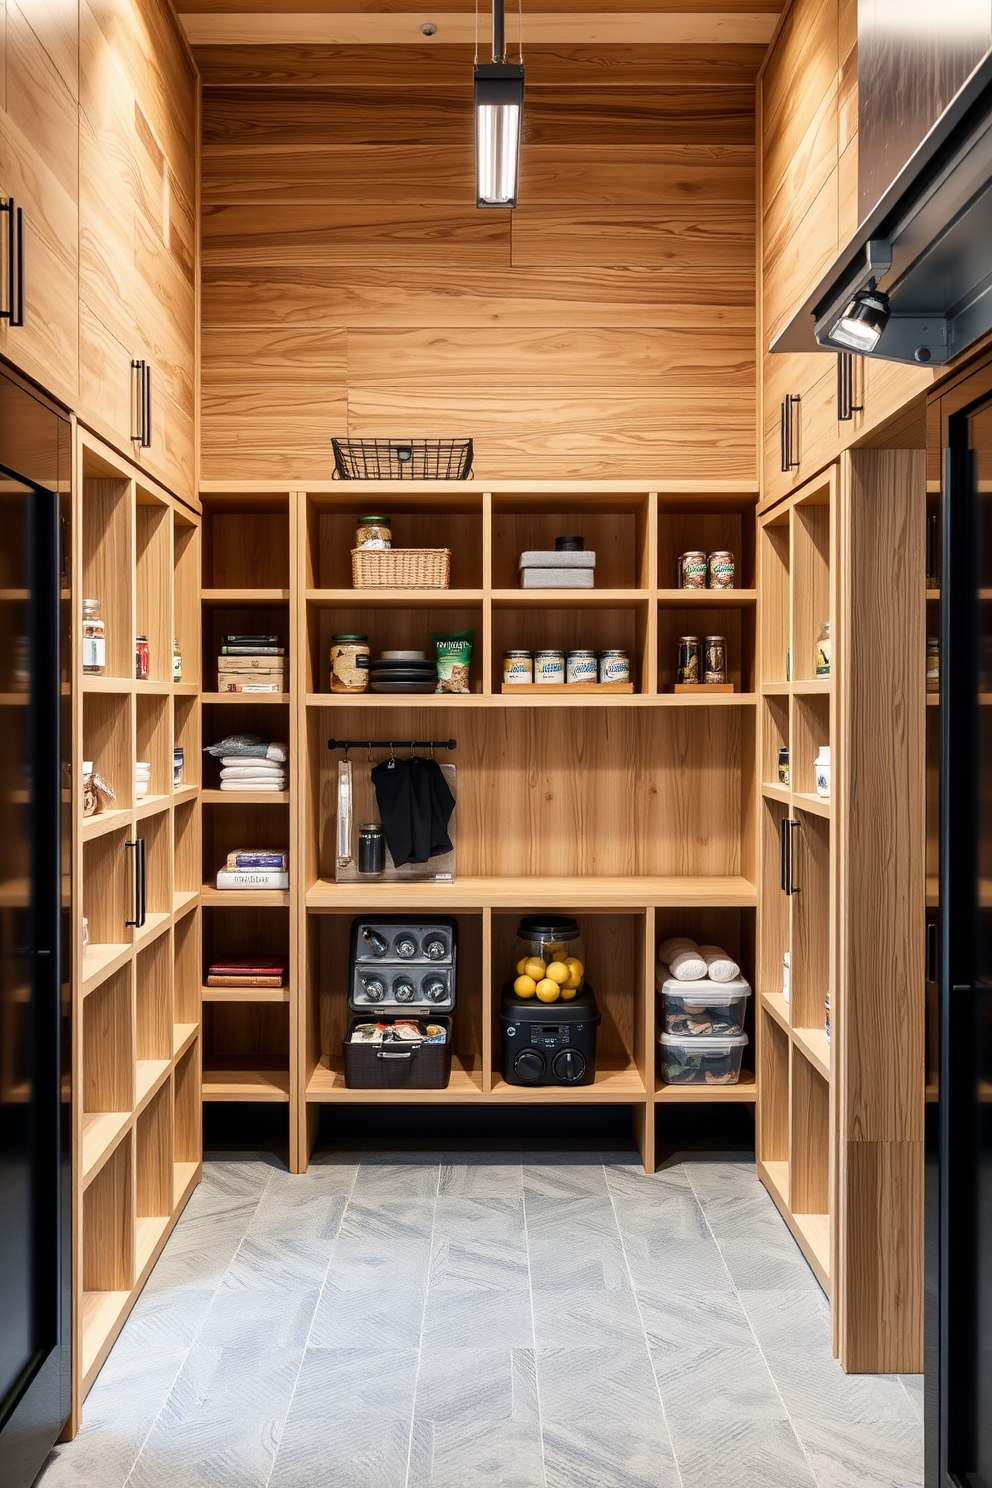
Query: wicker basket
395	1066
400	568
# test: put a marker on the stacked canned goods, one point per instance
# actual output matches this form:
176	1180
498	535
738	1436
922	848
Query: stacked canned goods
699	570
553	667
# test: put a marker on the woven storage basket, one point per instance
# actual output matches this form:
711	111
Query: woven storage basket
395	1067
400	568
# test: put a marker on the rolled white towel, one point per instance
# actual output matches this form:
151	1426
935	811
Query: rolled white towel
683	959
719	966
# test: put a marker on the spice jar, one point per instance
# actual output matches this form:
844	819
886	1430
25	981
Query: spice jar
933	664
374	532
141	664
614	666
549	667
94	639
692	570
688	665
821	652
581	666
821	772
177	660
784	772
349	663
721	570
518	667
715	660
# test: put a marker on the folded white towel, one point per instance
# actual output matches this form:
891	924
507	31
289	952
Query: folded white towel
252	785
719	966
681	956
239	772
242	762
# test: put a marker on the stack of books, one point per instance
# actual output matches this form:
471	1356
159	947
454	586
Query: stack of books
251	663
248	868
247	971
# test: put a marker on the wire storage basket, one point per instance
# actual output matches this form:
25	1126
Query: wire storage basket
400	568
402	459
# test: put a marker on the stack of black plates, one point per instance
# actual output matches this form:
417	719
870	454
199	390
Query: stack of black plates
403	676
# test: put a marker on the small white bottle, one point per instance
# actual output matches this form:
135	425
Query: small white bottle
787	975
821	772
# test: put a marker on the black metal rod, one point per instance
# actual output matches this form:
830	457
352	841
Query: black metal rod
784	455
135	872
146	431
17	314
9	208
499	32
391	743
784	854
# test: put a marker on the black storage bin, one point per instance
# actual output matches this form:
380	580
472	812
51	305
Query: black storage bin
403	969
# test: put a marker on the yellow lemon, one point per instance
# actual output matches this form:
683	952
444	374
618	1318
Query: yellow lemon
555	949
568	992
558	972
525	986
520	965
534	967
575	966
548	991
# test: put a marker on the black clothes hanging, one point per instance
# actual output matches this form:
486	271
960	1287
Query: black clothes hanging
415	806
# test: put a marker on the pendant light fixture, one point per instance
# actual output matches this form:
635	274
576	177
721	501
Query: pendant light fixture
499	110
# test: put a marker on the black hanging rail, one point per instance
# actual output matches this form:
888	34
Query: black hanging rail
391	744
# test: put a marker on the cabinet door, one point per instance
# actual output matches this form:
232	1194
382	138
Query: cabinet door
38	168
137	231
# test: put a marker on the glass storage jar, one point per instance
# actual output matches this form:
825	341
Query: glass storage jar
549	958
94	639
349	663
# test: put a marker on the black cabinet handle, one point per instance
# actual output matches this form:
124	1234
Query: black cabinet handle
139	890
141	404
789	432
846	406
14	311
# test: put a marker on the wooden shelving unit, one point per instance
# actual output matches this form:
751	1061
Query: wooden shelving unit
839	1135
136	1014
624	765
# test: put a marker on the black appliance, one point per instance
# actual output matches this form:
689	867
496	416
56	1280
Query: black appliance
549	1043
35	830
405	968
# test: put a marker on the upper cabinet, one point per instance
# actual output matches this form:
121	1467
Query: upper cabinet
137	235
39	191
808	198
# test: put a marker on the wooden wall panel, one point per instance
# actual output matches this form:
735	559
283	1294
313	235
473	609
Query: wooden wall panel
593	331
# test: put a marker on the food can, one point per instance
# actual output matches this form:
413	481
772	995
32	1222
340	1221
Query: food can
614	666
692	570
715	659
581	666
178	763
371	848
518	666
549	667
933	664
374	532
141	658
688	667
722	570
784	776
349	663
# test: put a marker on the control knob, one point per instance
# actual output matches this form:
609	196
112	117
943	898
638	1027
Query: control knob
529	1065
569	1066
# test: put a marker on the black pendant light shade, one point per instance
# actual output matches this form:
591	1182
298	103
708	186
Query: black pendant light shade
499	111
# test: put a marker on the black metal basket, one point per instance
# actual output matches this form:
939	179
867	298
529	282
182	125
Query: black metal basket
399	459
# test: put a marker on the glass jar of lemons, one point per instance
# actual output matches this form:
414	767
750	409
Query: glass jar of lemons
549	959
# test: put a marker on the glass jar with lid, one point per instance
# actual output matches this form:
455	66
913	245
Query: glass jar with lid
349	663
549	958
374	532
94	639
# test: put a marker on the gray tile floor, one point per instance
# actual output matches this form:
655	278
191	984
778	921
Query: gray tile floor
522	1317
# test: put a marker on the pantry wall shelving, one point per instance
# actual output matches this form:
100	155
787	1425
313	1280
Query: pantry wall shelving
635	811
136	1013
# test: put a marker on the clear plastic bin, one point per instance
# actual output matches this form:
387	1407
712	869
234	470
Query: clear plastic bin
700	1061
702	1009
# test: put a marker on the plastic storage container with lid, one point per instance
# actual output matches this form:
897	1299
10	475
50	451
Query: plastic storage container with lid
549	959
701	1009
700	1061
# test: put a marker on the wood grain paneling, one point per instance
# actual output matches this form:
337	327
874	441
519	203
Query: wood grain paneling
590	332
412	66
366	28
415	7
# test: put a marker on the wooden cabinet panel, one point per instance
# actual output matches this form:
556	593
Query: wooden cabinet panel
814	378
55	24
138	230
38	168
